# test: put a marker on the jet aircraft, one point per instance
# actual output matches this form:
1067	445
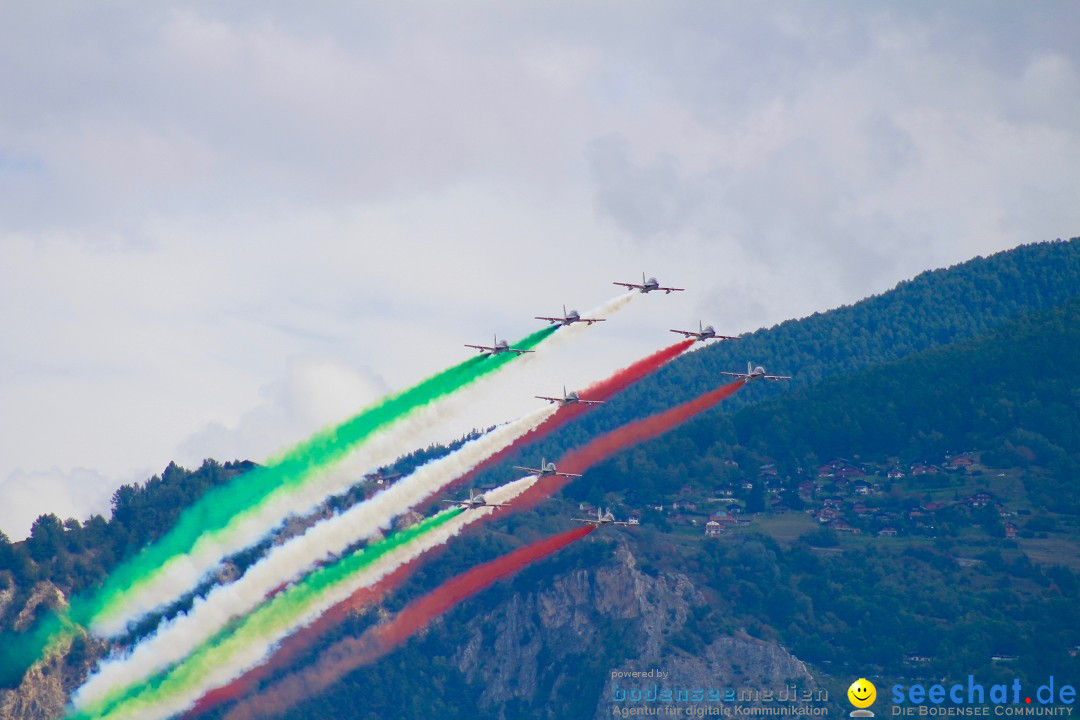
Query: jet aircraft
475	500
381	478
603	517
704	333
568	398
648	285
546	469
500	346
569	318
756	373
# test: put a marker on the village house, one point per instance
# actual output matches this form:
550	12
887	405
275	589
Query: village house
826	515
959	462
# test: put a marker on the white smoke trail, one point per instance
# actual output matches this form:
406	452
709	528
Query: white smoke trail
184	572
176	638
572	332
229	659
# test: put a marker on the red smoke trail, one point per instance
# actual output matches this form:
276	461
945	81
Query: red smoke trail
348	654
576	461
603	447
601	390
302	640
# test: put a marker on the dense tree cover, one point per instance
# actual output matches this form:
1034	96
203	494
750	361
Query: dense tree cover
877	608
1016	383
75	555
897	612
1012	393
1012	388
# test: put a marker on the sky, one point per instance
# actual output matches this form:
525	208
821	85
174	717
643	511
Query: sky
224	226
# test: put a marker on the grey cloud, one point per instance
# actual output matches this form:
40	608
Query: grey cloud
643	199
193	197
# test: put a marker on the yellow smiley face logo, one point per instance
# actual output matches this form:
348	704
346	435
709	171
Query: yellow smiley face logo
862	693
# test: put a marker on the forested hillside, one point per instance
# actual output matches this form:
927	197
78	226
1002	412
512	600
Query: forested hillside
950	592
1012	393
796	517
936	308
76	554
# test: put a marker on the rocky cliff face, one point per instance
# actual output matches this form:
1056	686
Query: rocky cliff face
566	646
44	690
562	649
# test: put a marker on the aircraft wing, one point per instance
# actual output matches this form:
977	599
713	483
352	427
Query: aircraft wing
551	319
590	321
630	285
777	377
670	290
549	399
568	474
481	347
727	337
744	376
531	471
687	333
591	402
520	352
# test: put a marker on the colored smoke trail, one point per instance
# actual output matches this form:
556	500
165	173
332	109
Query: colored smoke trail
291	600
603	447
200	534
175	638
574	461
602	390
601	312
174	564
251	640
346	655
300	641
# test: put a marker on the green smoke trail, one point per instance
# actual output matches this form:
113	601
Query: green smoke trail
280	612
211	516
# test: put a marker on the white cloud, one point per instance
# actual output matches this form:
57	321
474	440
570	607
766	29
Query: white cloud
209	212
316	393
76	493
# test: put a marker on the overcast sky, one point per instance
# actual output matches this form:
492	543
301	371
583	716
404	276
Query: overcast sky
223	226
